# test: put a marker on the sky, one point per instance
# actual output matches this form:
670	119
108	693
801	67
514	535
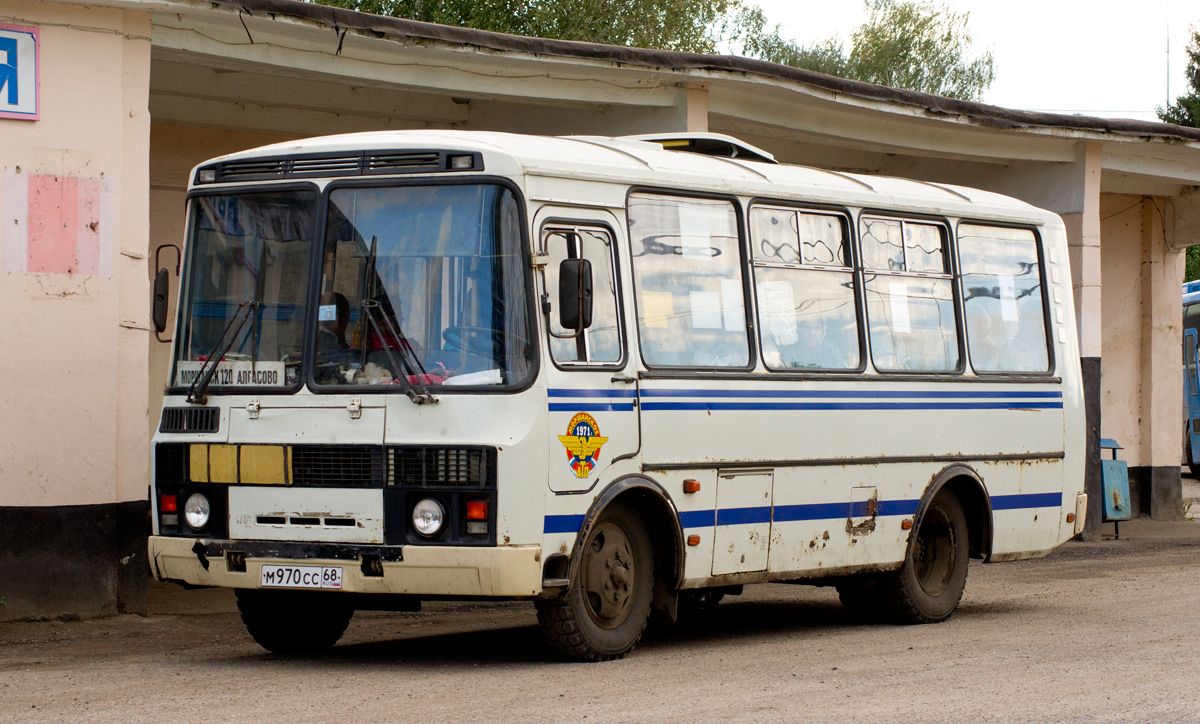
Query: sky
1098	58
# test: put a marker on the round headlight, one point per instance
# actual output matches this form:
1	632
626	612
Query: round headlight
196	510
428	517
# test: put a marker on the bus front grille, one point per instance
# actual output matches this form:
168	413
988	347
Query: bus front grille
170	463
337	465
442	467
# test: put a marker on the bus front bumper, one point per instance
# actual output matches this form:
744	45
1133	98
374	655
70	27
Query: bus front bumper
502	571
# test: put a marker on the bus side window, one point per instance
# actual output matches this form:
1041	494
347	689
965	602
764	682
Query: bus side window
910	298
687	271
1189	361
601	342
1002	299
805	289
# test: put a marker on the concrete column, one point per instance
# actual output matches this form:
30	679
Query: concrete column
1142	333
696	100
1162	332
1083	244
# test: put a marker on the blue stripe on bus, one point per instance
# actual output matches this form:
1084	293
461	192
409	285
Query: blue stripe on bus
743	516
698	518
591	407
909	394
562	524
701	406
810	511
590	393
1028	500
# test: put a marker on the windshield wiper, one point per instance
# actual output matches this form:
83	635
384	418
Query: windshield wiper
200	384
409	363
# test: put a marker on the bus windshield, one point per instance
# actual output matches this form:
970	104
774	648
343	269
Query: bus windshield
423	285
248	278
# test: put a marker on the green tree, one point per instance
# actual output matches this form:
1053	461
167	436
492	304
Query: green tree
903	44
1185	111
698	26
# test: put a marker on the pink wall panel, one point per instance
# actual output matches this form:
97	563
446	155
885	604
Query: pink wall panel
61	226
53	224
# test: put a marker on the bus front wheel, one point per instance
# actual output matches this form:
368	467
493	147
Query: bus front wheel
293	622
607	604
929	585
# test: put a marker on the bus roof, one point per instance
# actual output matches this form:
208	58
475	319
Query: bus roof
639	162
1191	292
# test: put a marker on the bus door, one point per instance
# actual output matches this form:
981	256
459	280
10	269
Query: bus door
590	394
1191	391
743	521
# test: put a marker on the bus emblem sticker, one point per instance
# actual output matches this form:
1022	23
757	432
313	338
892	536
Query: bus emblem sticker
582	442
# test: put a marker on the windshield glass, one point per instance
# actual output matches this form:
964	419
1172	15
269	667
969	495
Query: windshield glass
424	285
249	259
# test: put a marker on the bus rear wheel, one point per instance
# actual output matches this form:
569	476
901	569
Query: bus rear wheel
607	604
1193	468
293	622
929	585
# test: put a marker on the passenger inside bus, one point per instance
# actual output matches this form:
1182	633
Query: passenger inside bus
334	316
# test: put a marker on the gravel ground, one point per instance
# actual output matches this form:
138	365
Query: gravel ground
1097	632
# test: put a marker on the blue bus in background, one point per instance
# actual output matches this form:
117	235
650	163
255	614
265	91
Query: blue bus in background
1191	384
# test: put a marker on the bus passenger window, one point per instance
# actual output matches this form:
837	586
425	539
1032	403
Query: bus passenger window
910	299
805	290
1002	299
601	342
687	273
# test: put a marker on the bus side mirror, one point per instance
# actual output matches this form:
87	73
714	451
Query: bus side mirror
162	281
575	294
162	289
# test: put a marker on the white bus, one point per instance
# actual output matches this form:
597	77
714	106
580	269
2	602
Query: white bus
614	376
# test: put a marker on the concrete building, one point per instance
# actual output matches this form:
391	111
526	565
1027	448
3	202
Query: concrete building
130	94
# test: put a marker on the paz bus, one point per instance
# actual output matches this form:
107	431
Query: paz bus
616	377
1191	377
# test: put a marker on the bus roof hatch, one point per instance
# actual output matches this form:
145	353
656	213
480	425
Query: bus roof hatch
708	144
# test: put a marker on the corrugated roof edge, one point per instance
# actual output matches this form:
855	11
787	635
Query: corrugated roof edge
994	116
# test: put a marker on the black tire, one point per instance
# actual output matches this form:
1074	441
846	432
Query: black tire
929	585
1193	468
607	603
696	603
293	622
861	599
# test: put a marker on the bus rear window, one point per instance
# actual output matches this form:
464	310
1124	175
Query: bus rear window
1002	299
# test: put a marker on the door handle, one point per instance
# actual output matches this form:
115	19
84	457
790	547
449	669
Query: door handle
623	378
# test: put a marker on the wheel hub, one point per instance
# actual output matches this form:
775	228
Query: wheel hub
608	574
934	552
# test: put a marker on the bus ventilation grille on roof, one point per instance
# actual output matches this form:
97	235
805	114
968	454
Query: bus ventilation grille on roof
190	419
436	467
400	162
343	164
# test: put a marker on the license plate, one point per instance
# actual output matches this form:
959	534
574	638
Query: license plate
302	576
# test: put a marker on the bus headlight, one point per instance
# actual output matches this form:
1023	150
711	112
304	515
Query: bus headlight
428	517
196	511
